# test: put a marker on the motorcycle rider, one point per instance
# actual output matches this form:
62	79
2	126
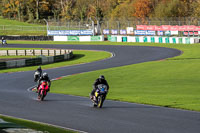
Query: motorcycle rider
3	41
39	69
45	78
100	80
38	74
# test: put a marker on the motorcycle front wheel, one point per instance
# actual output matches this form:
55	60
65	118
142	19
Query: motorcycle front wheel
100	101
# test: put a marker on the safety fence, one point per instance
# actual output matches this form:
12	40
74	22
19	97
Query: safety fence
38	60
32	38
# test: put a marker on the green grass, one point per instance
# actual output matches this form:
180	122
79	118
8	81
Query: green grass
23	33
4	21
13	27
80	56
35	125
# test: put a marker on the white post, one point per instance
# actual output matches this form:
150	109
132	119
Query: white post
47	25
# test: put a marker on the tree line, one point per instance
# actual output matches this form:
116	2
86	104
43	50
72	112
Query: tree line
81	10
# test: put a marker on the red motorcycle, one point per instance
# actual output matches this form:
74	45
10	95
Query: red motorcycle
42	90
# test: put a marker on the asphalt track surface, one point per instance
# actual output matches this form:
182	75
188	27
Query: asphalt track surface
77	112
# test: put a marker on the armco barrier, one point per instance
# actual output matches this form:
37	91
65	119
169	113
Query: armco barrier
58	58
33	62
33	38
3	65
36	61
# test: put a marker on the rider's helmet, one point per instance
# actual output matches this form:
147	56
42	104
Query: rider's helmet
39	68
45	75
101	77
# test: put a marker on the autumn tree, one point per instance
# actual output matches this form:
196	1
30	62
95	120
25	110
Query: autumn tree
107	7
1	6
36	10
173	9
142	9
123	11
81	9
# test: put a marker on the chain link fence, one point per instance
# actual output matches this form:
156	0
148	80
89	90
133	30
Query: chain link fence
99	26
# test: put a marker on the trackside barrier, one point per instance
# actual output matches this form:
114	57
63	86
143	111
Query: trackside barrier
155	39
2	65
33	52
78	38
36	61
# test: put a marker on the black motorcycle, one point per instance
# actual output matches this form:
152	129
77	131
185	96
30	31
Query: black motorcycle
100	95
37	76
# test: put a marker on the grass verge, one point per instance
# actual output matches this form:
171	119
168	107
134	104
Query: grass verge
35	125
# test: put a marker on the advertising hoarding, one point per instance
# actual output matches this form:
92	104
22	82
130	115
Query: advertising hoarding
69	32
123	32
106	31
130	30
114	32
160	33
140	32
143	32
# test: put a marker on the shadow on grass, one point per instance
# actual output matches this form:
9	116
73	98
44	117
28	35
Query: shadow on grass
77	56
184	59
126	107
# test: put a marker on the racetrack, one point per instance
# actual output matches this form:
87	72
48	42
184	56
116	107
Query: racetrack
77	113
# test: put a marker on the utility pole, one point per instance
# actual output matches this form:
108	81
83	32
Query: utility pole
47	25
37	9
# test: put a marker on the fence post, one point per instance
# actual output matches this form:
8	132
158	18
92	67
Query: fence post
118	24
68	25
128	23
